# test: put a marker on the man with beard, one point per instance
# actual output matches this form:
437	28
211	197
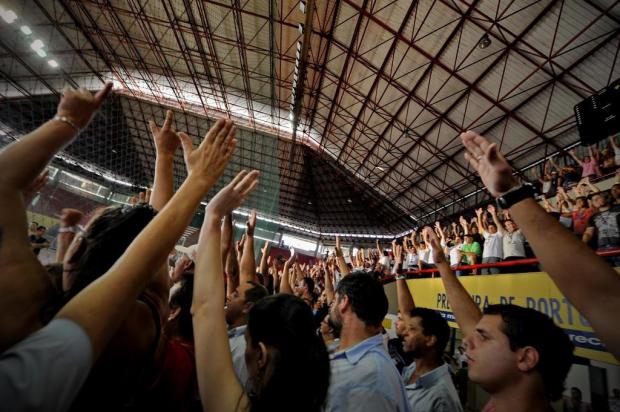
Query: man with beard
363	377
425	334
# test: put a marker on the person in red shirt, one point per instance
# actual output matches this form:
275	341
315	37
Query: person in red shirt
581	215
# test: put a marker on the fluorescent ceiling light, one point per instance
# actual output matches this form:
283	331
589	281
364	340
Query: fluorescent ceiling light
37	44
54	64
26	30
41	53
8	16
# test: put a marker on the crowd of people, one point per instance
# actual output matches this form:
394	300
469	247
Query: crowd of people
120	322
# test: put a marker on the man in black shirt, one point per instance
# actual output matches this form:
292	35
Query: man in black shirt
604	226
37	241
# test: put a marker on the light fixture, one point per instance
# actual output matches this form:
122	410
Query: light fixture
484	42
53	63
26	30
302	6
8	16
349	200
41	53
37	45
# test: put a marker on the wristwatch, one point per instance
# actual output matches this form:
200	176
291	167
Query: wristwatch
516	194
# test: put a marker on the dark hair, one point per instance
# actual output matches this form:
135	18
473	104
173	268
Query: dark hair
366	295
299	369
182	299
528	327
433	324
41	228
255	293
106	239
309	284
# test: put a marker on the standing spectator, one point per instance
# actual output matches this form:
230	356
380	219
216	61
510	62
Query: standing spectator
492	251
604	227
615	193
32	229
616	149
581	215
363	377
513	241
38	240
589	164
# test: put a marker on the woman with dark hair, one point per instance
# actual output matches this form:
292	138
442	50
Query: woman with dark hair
287	362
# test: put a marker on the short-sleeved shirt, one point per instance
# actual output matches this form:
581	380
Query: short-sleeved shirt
236	340
589	169
493	245
46	370
607	226
514	244
364	378
412	259
433	391
37	240
472	247
580	220
454	255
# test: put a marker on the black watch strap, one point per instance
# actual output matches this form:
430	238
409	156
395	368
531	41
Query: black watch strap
526	190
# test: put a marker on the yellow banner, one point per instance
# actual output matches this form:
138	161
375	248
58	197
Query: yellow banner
531	290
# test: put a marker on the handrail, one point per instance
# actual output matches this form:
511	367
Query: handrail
410	274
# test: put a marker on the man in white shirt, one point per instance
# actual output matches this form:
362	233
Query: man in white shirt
492	251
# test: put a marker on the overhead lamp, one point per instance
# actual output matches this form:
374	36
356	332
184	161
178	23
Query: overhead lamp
8	16
300	27
41	53
37	45
302	6
484	42
26	30
53	63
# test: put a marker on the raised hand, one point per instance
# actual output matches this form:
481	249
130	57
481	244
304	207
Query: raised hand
166	138
251	223
233	194
338	247
70	217
431	237
79	106
491	165
491	209
479	212
265	247
206	163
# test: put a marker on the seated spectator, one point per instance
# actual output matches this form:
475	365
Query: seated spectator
363	377
471	251
280	335
38	240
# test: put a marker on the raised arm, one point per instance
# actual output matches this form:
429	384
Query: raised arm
101	307
573	154
590	284
342	264
500	228
329	282
465	310
403	294
479	221
439	230
219	388
464	225
227	239
263	259
285	282
166	143
247	270
22	278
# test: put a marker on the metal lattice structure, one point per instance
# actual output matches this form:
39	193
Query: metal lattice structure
350	108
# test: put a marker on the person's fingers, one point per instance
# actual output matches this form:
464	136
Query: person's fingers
103	93
242	185
169	119
153	127
251	187
186	143
472	143
212	133
230	149
238	178
223	134
474	162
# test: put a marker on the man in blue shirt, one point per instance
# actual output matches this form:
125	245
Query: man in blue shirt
363	377
428	382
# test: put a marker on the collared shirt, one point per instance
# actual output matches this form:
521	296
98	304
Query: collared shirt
236	340
433	391
364	378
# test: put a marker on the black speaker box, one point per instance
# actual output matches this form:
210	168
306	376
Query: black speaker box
598	116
